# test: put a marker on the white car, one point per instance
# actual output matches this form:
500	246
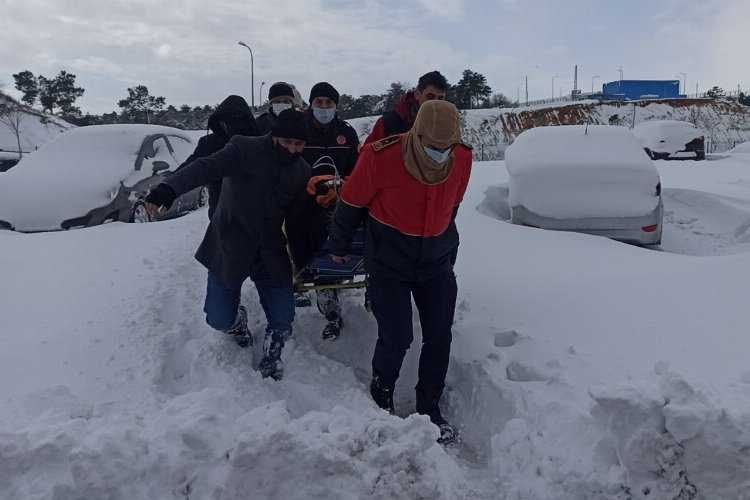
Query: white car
592	179
671	140
91	175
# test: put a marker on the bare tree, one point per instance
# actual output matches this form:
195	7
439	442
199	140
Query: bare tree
11	116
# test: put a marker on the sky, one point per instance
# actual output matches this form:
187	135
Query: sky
187	50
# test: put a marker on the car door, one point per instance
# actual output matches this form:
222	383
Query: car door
157	165
181	148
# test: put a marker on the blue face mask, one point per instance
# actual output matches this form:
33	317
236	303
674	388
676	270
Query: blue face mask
324	115
438	156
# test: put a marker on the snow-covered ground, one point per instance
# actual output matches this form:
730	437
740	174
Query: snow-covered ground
582	367
36	130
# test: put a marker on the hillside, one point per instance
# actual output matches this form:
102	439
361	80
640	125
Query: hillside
37	129
490	131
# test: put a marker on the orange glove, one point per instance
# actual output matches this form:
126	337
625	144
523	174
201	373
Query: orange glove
312	184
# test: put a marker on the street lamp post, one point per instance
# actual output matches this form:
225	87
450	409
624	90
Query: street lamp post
592	82
553	86
252	74
261	92
684	82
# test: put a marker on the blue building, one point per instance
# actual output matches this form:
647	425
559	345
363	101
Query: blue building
641	89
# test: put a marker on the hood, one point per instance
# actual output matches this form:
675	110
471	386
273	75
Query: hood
233	108
407	107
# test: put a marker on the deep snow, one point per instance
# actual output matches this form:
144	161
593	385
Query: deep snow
582	368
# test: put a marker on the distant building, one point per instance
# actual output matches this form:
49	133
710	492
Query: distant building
628	90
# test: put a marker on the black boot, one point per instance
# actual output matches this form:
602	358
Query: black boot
271	364
428	403
382	394
332	330
239	331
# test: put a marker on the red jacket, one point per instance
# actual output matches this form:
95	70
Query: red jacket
411	234
397	121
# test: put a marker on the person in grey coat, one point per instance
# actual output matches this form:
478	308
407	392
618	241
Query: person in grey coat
261	178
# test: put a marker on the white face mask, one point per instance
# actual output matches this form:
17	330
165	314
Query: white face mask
278	107
438	156
324	115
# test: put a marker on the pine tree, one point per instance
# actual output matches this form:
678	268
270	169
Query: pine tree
27	84
140	105
471	90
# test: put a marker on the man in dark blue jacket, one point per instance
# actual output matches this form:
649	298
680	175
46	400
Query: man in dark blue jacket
232	117
261	177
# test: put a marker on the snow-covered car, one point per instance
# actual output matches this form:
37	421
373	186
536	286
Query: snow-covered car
592	179
91	175
671	140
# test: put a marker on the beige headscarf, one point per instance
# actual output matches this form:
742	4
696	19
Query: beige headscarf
438	126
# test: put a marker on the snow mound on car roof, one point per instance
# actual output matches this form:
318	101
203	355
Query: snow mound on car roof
666	136
578	171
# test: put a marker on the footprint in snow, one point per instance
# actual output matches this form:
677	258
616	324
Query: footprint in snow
519	372
507	338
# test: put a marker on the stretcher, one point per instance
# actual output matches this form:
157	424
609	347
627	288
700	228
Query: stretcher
323	273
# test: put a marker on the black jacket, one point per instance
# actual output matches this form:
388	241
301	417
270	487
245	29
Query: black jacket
233	109
338	140
245	234
307	228
265	122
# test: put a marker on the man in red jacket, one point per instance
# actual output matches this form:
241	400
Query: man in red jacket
431	86
407	189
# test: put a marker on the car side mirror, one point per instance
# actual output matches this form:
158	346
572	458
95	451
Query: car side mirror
159	166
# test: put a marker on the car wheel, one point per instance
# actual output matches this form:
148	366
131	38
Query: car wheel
203	197
139	213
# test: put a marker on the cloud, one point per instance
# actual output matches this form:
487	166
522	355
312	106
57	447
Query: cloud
163	51
450	9
187	50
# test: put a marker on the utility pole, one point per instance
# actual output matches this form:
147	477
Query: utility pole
252	74
527	90
553	87
619	88
684	82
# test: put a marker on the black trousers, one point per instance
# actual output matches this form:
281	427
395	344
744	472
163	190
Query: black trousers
391	303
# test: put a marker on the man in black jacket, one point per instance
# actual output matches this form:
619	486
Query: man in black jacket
331	150
232	117
280	97
261	177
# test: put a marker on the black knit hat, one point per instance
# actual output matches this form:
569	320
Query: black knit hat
290	124
324	89
280	89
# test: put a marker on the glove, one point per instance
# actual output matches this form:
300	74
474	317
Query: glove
312	184
327	200
162	196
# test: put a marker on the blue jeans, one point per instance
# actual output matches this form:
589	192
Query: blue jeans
222	303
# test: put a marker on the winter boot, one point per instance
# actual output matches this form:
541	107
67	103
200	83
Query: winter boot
271	364
329	306
428	403
332	330
239	331
382	394
301	299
